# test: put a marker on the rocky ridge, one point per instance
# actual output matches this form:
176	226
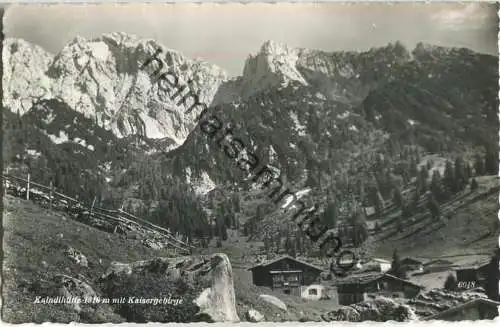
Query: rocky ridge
102	79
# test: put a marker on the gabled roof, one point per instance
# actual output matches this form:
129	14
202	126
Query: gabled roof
380	260
363	279
420	261
438	261
488	302
474	266
265	264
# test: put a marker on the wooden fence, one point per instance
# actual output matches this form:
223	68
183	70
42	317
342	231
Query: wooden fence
42	193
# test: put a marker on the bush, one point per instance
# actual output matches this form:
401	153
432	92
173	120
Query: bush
150	285
451	283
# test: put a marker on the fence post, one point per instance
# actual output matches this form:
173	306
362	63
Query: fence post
92	207
28	188
5	182
50	194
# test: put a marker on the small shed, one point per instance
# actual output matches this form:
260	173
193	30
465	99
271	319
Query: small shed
313	292
478	309
363	287
472	275
382	265
413	264
438	265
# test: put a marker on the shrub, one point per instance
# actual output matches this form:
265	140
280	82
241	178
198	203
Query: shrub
451	283
150	285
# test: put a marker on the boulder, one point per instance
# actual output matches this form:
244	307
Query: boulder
70	287
190	288
253	315
274	301
77	257
379	309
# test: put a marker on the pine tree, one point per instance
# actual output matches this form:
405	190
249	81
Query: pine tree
413	167
451	283
479	166
433	206
236	202
468	171
449	178
330	215
459	174
396	266
491	162
493	276
473	185
397	197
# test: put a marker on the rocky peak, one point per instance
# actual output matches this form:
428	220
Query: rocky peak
272	66
24	66
102	78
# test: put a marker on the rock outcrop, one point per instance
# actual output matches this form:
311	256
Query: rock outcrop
379	309
103	79
188	289
253	315
274	301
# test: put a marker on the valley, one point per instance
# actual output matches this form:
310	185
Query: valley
396	146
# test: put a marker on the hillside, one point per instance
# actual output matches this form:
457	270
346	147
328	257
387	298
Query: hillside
36	244
397	148
468	227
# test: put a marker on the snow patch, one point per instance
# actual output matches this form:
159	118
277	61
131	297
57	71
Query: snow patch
99	50
297	194
411	122
353	128
320	96
204	184
344	115
34	153
151	127
298	126
63	137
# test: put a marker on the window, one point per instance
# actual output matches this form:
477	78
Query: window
313	291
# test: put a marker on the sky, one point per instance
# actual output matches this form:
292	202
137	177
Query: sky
225	34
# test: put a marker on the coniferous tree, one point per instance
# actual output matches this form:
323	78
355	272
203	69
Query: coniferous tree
397	197
433	206
493	276
491	162
479	166
435	186
396	266
449	178
413	167
330	215
468	172
460	174
473	185
451	283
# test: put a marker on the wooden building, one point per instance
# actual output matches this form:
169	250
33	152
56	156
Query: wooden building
363	287
413	264
477	309
438	265
285	273
473	276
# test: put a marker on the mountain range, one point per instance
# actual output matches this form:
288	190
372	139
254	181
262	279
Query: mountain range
331	122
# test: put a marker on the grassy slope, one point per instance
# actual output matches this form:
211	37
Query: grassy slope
465	229
34	243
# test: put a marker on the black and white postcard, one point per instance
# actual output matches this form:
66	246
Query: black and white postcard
259	162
